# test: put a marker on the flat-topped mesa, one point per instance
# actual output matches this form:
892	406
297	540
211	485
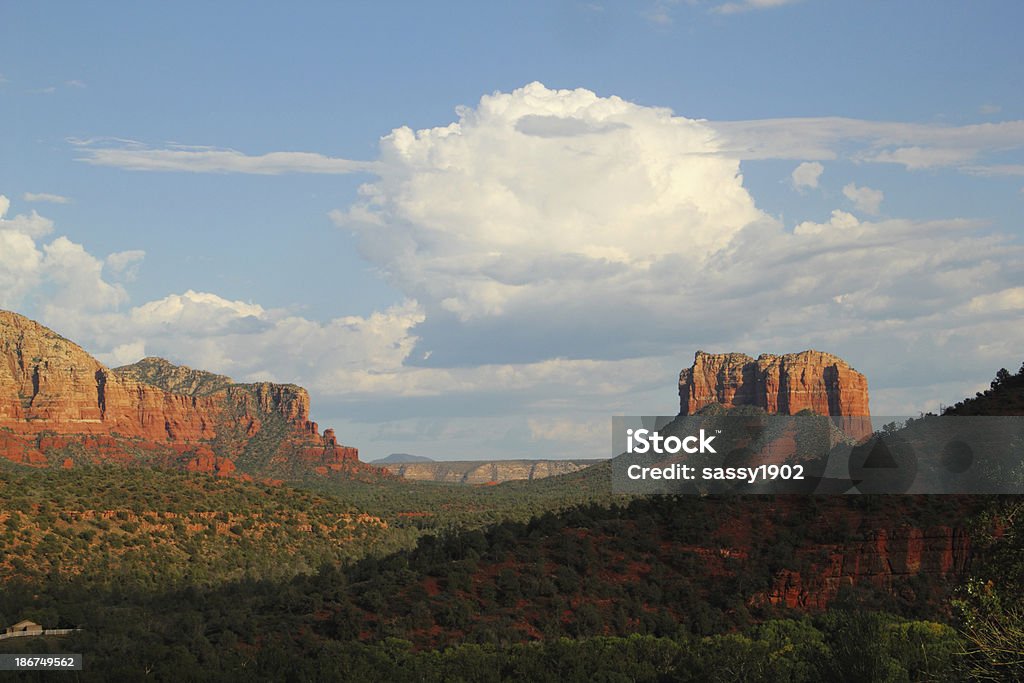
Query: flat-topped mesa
51	386
785	385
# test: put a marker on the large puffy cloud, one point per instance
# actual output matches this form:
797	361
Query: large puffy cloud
546	213
538	174
77	277
548	223
19	266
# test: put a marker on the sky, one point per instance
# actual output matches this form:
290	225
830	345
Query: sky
479	230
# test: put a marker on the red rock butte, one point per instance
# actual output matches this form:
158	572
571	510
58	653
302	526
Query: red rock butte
810	380
53	395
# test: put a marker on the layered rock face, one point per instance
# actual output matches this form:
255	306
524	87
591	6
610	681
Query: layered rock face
786	385
50	386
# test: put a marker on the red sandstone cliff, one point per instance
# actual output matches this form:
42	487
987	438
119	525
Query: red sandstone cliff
809	380
887	557
53	394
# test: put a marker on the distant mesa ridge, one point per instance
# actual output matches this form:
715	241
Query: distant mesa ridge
54	395
785	385
486	471
395	458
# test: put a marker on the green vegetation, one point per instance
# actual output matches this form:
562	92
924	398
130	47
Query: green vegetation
990	606
156	528
593	592
830	646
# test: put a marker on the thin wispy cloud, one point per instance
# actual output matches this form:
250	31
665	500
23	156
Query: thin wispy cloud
45	197
661	12
912	145
915	146
996	170
135	156
749	5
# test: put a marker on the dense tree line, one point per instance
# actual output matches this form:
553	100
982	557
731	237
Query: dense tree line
839	645
517	595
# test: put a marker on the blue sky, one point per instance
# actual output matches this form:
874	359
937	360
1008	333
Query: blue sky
600	190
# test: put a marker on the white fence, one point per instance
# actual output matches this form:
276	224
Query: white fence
44	632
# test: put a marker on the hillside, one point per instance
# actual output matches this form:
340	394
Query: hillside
100	525
662	574
1005	396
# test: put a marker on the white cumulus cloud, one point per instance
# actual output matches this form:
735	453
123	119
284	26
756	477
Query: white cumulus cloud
865	199
58	271
78	278
806	175
32	225
554	195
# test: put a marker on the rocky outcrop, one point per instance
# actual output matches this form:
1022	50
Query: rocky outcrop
810	380
480	472
177	379
50	388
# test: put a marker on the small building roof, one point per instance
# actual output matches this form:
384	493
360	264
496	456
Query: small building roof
24	623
